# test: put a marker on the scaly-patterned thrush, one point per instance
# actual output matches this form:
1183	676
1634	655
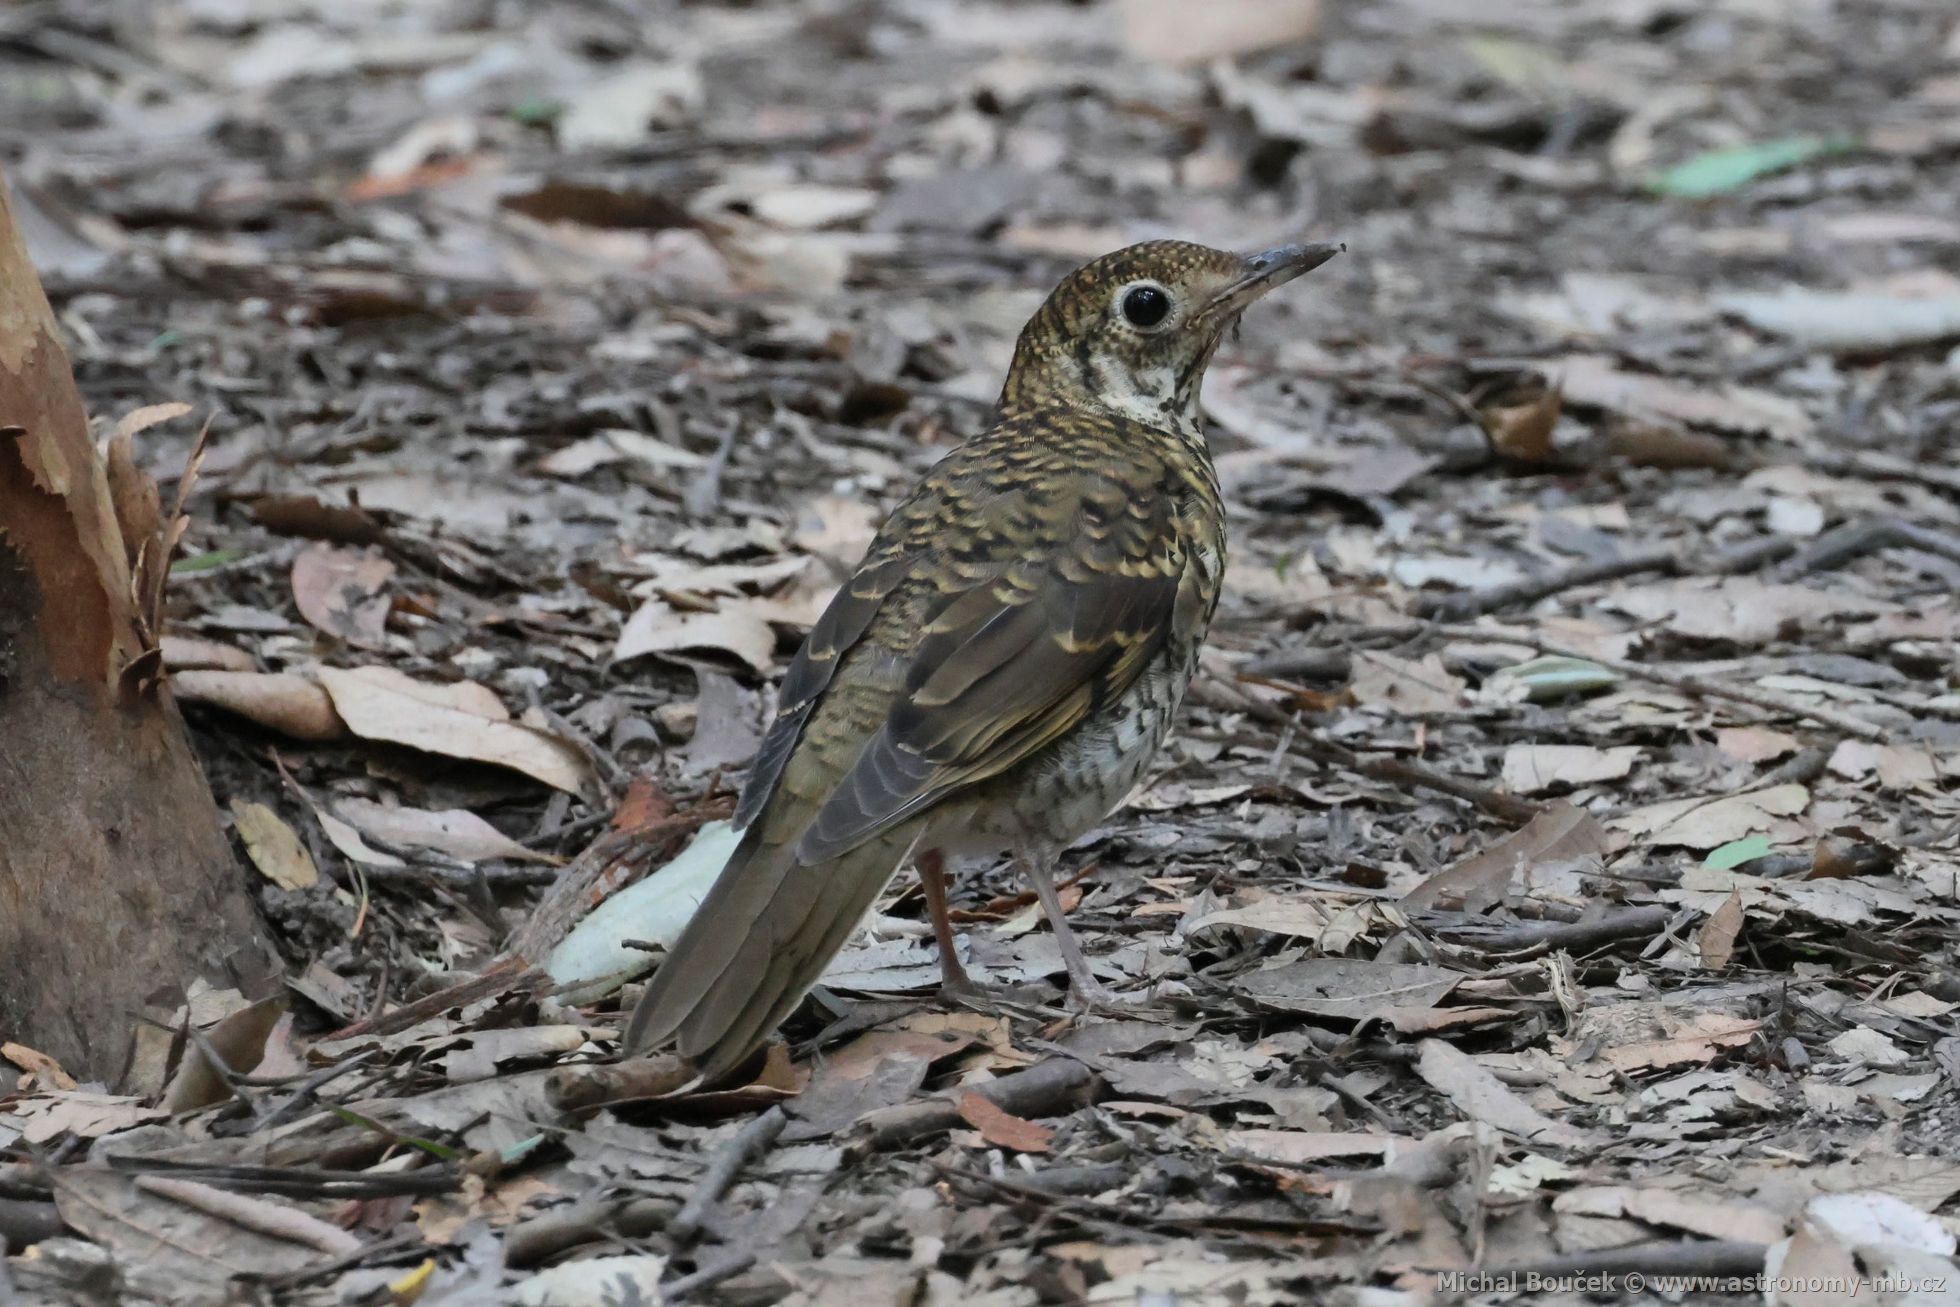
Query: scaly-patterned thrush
1003	665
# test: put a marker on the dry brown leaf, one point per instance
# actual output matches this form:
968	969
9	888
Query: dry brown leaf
1739	609
1699	1038
79	1112
379	703
1536	768
736	627
1561	833
185	653
1715	941
1406	685
1349	989
1598	382
1164	30
274	847
1305	1146
1524	431
1754	743
1706	823
344	592
1002	1128
455	831
1897	766
292	705
1481	1096
38	1070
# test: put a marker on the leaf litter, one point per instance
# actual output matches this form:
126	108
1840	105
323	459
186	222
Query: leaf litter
557	366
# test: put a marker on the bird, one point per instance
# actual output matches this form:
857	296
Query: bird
1000	670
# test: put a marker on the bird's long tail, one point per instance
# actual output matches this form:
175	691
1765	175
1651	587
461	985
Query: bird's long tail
760	939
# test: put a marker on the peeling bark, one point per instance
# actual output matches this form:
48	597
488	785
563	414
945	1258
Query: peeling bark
117	885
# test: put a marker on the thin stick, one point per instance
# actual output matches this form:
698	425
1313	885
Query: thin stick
1388	770
754	1139
1686	682
507	973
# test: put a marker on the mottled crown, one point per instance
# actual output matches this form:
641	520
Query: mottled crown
1081	348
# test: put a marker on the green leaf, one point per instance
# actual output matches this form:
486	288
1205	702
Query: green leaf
1717	172
205	562
520	1150
1737	852
537	110
1556	677
429	1146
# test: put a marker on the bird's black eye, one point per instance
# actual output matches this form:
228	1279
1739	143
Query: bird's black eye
1146	306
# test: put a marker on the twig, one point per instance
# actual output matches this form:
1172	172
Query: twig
1574	936
754	1139
304	1092
506	974
1686	682
1853	540
552	1232
1461	604
269	1219
1045	1089
1744	557
1387	769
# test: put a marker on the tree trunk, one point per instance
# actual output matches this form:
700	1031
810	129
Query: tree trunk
117	884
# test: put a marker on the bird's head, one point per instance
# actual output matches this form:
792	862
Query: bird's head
1133	331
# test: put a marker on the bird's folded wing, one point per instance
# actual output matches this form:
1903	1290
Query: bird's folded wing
1004	667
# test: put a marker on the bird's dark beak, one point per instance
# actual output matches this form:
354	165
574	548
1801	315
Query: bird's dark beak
1270	268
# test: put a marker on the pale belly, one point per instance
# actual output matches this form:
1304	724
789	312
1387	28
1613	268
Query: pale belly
1066	793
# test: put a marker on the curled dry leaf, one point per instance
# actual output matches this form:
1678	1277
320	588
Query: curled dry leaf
1561	833
736	627
1524	431
1716	940
1536	768
292	705
38	1070
1002	1128
184	653
455	831
379	703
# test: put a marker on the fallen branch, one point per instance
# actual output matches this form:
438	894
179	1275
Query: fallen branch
1545	936
753	1140
1049	1088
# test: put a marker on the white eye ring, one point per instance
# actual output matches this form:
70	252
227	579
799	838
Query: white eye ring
1145	305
